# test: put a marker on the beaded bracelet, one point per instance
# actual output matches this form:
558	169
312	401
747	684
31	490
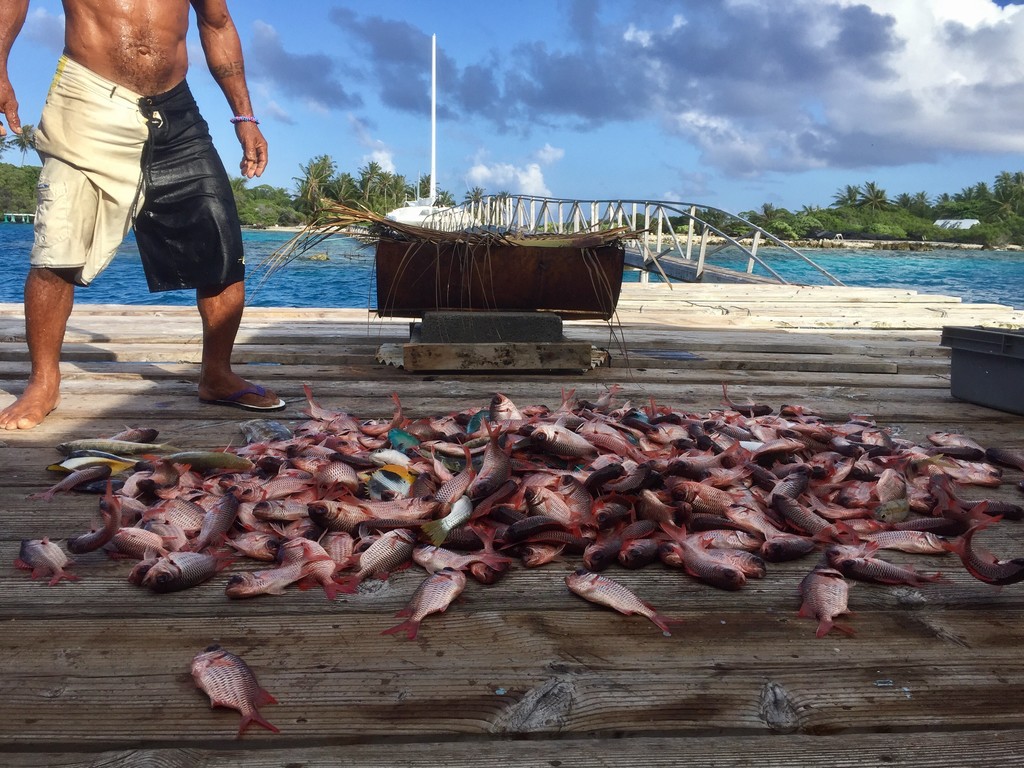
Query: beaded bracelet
245	119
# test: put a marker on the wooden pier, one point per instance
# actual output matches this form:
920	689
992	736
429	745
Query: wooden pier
521	673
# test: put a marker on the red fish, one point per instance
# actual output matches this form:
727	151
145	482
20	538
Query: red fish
604	591
983	565
825	593
434	595
110	509
229	682
44	558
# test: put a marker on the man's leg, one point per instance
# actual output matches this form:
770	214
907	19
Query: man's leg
221	311
49	297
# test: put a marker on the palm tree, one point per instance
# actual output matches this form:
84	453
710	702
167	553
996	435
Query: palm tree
6	142
873	198
314	182
1004	204
25	140
1010	186
848	196
344	188
369	179
921	205
423	186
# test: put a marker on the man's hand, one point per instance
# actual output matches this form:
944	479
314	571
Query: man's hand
254	149
9	105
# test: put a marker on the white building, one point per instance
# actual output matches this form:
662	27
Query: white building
957	223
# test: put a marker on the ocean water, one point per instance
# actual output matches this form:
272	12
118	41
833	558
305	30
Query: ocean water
342	273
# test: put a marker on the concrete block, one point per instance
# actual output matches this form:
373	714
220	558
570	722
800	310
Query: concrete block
489	327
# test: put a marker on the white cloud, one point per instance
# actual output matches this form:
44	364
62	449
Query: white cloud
848	83
527	179
506	177
547	154
383	157
958	78
640	36
379	152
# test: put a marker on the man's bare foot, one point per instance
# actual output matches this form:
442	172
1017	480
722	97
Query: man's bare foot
31	408
241	394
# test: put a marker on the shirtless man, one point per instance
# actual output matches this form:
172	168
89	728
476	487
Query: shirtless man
121	141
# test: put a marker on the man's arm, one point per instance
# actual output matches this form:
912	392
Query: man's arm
223	51
12	17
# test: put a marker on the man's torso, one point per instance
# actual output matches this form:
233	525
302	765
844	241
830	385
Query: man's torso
139	44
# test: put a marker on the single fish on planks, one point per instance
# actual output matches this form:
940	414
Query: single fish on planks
44	558
604	591
434	595
229	682
825	594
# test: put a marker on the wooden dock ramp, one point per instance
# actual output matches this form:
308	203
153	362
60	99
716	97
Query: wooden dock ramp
521	673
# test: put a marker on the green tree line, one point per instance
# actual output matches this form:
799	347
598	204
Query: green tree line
857	211
867	211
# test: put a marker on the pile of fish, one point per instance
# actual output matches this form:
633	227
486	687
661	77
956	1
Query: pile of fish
467	495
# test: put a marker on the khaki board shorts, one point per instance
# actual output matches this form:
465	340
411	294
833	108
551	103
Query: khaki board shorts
90	138
113	159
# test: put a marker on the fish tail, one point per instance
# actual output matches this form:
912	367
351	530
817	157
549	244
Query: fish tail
330	587
347	585
664	623
827	625
62	575
257	718
409	626
436	530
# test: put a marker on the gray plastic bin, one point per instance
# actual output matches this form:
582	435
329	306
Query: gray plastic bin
987	366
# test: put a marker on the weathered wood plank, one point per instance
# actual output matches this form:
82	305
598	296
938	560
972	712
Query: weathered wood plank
97	668
862	750
568	676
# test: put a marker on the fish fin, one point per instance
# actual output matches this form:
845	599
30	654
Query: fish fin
257	718
348	584
664	623
410	627
330	589
436	531
263	697
828	625
62	575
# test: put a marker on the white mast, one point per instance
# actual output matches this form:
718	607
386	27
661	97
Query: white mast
433	120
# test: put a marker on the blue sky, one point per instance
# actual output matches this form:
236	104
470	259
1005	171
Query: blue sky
731	103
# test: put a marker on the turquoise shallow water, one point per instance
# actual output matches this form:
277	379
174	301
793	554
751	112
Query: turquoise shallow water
346	278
